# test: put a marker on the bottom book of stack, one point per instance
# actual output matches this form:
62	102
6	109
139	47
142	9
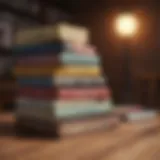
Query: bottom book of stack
69	127
67	119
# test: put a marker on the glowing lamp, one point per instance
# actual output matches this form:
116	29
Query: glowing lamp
126	25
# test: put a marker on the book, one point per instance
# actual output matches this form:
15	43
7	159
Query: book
125	109
141	115
61	109
102	93
28	50
61	81
62	31
62	103
62	59
78	71
69	128
134	113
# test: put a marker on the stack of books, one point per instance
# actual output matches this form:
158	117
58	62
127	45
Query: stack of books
61	88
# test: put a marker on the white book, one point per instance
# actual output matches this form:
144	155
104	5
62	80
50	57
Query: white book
64	31
141	116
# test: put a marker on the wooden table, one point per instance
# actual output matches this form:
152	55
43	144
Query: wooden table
127	142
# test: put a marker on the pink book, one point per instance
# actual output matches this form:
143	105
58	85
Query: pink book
65	94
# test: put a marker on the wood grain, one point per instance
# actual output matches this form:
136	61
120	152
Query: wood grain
127	142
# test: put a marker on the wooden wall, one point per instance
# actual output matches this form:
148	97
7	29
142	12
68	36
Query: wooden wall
144	48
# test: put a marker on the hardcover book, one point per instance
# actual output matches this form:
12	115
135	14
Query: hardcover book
63	31
71	127
78	71
61	81
102	93
61	109
65	58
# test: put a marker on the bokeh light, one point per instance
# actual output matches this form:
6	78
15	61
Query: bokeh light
126	25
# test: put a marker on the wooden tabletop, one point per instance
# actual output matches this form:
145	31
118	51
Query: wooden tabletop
128	142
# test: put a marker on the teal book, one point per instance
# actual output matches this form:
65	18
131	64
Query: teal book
62	109
73	58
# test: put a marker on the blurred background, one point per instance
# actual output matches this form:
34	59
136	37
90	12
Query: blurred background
98	17
126	34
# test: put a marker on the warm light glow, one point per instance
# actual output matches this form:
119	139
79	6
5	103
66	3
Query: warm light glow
126	25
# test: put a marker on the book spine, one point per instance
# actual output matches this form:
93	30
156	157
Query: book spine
42	61
28	50
52	60
61	81
60	103
65	94
35	35
79	81
62	32
66	71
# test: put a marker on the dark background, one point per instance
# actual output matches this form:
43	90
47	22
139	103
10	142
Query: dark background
98	16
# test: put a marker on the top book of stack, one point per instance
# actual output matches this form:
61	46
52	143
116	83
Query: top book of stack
62	32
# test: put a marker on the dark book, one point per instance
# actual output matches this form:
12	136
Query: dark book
69	128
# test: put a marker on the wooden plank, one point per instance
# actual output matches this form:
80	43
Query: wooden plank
129	141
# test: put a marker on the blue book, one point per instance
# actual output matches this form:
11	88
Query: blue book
50	48
60	81
43	82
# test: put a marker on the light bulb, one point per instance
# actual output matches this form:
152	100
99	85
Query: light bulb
126	25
